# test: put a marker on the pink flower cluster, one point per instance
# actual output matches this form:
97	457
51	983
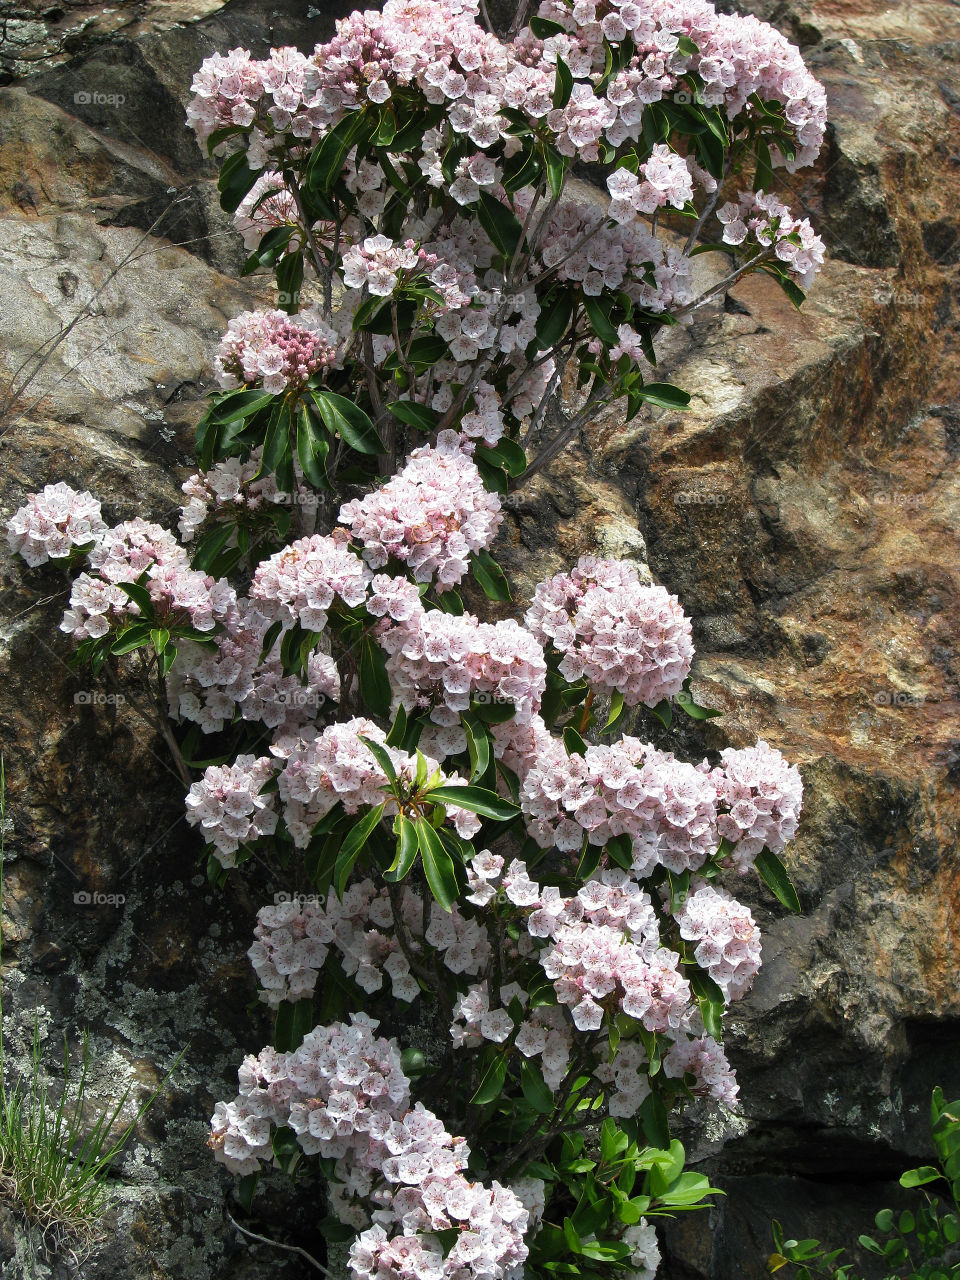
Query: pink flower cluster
54	523
268	204
344	1095
584	250
771	225
340	1093
229	806
662	179
293	941
442	661
273	350
430	516
336	767
544	1033
726	937
617	632
229	486
597	970
211	685
704	1059
300	583
667	807
181	596
763	795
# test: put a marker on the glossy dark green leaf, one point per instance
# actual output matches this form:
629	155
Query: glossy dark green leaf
500	223
415	415
353	844
489	575
349	422
477	799
374	681
774	875
235	180
665	395
438	866
491	1086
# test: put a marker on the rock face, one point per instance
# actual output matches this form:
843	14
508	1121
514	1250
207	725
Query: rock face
805	510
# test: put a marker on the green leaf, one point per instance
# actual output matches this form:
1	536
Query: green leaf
553	320
246	1190
535	1089
489	575
293	1022
210	546
438	866
329	156
374	681
407	849
237	405
500	223
235	180
423	353
312	450
793	291
686	702
398	729
653	1118
589	860
349	422
544	28
664	713
774	875
616	711
478	747
382	757
506	454
140	596
290	282
919	1177
597	314
352	847
563	87
477	799
619	849
415	415
574	744
491	1085
665	395
556	169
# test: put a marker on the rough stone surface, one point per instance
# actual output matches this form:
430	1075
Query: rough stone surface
805	510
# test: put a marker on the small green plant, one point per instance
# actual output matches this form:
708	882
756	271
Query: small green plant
54	1160
916	1244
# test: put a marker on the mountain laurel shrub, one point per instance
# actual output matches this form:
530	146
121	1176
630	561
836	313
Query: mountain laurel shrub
490	854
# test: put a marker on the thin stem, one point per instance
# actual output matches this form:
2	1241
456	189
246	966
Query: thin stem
726	282
563	437
708	208
278	1244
